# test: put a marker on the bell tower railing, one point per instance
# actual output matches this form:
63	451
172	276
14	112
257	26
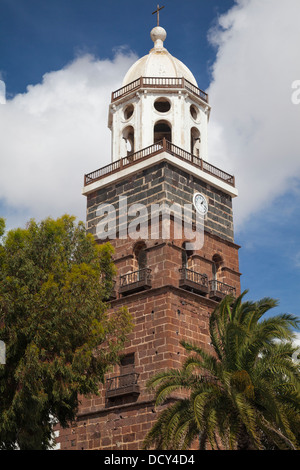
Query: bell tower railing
152	150
159	82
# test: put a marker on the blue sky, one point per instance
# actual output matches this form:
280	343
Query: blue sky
243	52
39	35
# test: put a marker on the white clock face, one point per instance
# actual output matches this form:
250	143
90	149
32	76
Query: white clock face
200	203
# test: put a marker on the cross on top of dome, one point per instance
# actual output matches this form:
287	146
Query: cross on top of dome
157	12
158	34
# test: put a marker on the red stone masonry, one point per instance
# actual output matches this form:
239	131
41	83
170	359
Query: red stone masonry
163	316
164	308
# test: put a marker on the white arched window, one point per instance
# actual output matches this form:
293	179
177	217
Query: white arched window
195	141
128	136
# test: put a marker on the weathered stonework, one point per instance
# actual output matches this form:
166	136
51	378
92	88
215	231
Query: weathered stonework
162	319
163	316
167	184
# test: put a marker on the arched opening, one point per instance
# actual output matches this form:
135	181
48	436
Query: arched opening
191	278
140	255
162	129
195	141
216	267
186	255
128	136
139	278
142	259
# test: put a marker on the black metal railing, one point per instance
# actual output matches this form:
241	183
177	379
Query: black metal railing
135	281
142	275
221	288
194	276
193	281
122	385
198	283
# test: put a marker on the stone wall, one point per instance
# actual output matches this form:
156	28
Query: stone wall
163	316
164	313
161	321
164	183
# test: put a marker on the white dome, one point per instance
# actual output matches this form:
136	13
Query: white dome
159	62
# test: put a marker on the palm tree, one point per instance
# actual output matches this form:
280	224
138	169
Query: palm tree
243	394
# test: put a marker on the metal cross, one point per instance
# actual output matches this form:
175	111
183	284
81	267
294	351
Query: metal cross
157	11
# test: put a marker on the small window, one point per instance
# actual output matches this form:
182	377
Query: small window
127	361
128	111
162	105
194	112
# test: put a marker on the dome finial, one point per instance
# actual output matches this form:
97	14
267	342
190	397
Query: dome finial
158	34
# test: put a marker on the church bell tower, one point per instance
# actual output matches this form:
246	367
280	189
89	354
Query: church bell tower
159	98
158	121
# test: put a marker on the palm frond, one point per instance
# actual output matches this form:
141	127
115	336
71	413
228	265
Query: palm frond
245	393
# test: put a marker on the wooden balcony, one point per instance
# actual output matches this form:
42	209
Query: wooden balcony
122	385
155	149
135	281
159	82
193	281
218	290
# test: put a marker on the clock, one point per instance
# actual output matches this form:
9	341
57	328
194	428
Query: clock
200	203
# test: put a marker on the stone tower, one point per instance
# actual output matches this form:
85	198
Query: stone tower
169	283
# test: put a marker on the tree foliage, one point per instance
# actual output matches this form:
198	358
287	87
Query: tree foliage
60	341
243	394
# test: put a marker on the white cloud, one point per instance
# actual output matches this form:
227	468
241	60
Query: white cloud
2	92
254	128
53	134
297	339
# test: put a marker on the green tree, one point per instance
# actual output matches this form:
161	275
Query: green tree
2	226
242	394
60	341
